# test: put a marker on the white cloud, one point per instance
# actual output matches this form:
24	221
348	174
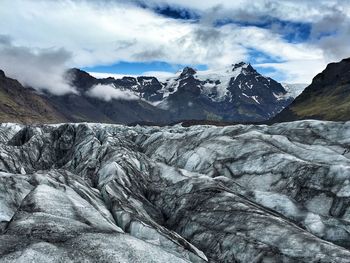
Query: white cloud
105	32
97	34
109	92
293	10
42	69
297	71
160	75
101	75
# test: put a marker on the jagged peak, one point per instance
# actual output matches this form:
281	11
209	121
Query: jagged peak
250	67
78	72
247	67
2	73
188	71
239	65
78	75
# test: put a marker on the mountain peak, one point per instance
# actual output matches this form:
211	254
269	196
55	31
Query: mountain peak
2	74
188	71
239	65
80	79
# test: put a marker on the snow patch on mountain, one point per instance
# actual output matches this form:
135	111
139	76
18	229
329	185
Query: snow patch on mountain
218	80
294	90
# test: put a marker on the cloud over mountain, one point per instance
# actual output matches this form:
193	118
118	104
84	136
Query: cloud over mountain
109	92
41	68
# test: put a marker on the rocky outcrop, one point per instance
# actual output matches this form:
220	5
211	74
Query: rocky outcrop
243	193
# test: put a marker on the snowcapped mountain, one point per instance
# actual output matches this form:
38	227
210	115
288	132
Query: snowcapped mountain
213	84
234	93
112	193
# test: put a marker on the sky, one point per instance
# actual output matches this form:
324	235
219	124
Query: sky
288	40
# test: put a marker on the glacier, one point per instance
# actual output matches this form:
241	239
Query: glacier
244	193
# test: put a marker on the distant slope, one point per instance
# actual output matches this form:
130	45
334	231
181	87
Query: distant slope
24	105
327	98
84	108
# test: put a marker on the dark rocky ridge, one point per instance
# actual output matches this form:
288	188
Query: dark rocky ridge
327	98
244	193
25	105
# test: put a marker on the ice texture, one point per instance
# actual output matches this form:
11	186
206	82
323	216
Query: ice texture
112	193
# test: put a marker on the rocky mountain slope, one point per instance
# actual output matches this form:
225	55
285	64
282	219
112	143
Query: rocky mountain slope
244	193
82	106
327	98
234	93
19	104
237	93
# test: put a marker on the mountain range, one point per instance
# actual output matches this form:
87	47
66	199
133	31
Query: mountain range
91	192
237	93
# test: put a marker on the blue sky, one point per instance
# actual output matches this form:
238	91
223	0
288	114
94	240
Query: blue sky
290	41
